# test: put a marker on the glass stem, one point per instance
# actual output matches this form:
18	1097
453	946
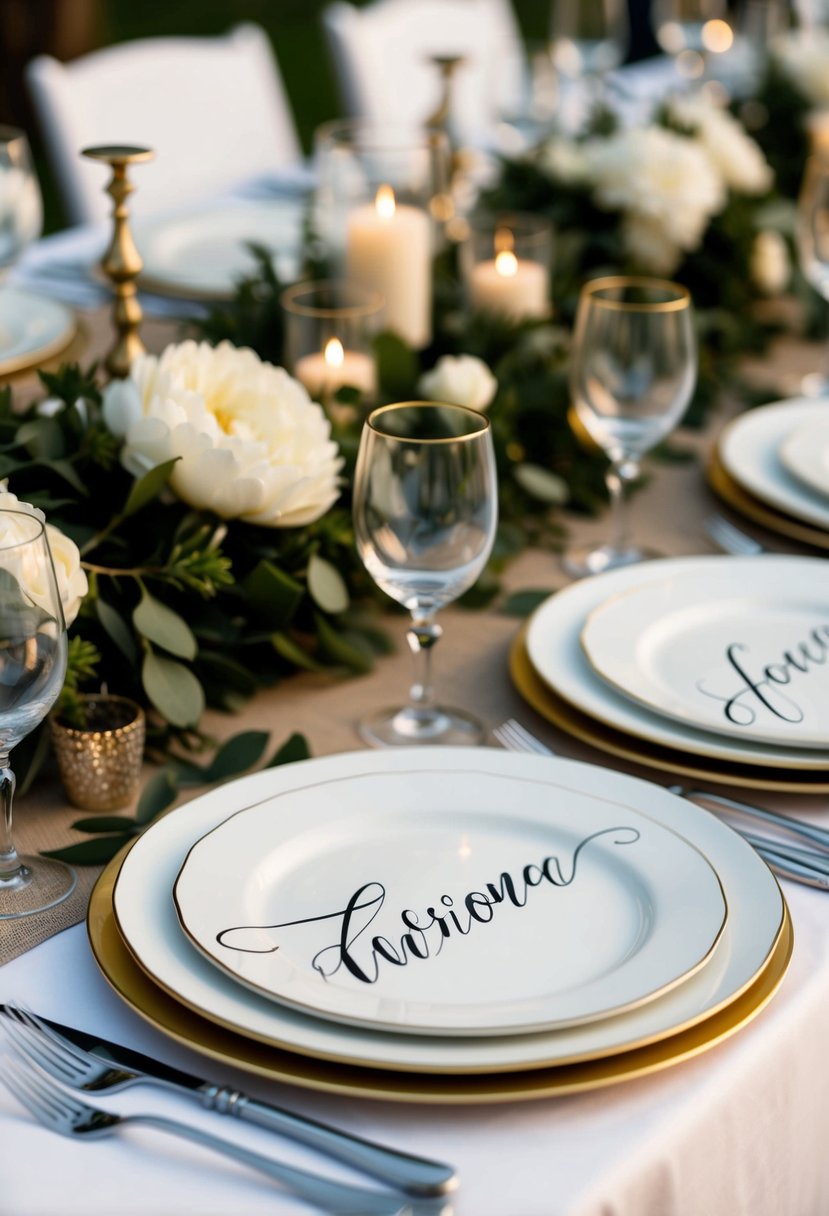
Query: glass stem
10	866
619	476
422	634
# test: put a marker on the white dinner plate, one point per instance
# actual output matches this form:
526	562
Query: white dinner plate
443	902
805	452
749	449
147	920
738	650
203	251
32	328
553	647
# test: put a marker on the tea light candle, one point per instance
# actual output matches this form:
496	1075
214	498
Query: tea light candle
389	248
514	287
324	372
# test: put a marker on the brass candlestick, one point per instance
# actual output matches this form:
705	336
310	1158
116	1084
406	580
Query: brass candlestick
122	262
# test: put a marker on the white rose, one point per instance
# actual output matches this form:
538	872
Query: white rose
459	380
251	444
736	155
770	265
662	182
71	578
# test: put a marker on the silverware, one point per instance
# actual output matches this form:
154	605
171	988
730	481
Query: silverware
800	865
95	1065
731	539
67	1114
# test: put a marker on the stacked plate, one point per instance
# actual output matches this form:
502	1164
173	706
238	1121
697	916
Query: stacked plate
772	466
455	925
33	329
715	668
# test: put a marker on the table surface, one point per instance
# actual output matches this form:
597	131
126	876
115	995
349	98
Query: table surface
739	1130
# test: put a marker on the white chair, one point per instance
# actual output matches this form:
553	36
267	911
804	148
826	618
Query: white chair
213	109
382	52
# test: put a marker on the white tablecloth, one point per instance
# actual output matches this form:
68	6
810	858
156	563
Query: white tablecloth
740	1131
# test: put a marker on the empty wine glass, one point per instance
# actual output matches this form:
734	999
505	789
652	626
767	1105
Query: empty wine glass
813	244
32	668
425	511
21	207
632	373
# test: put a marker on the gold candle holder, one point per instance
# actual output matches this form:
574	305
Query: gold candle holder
122	262
100	763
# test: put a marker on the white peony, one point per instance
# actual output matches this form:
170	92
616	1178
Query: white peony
459	380
665	184
251	444
804	57
71	578
736	155
770	265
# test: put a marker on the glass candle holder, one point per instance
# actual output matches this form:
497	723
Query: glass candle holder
379	190
506	263
329	330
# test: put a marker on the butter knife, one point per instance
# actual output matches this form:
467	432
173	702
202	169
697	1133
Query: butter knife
122	1067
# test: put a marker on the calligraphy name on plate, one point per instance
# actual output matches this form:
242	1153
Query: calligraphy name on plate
756	694
424	934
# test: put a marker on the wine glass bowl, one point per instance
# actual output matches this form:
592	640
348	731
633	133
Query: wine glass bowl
632	374
812	236
425	512
32	668
21	206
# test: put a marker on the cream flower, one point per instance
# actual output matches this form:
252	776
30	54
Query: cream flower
71	579
664	184
563	160
804	57
459	380
250	443
770	265
736	155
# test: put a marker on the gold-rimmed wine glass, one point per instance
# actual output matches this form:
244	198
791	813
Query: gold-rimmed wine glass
632	372
812	232
425	512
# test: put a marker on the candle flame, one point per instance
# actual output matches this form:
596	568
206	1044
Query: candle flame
506	264
334	353
384	202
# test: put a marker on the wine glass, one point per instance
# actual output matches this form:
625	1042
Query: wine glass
21	207
632	373
425	511
587	40
32	668
812	231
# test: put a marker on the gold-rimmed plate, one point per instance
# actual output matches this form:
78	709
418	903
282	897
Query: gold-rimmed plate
751	508
33	328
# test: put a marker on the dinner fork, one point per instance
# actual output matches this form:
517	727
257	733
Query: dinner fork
68	1115
731	538
800	865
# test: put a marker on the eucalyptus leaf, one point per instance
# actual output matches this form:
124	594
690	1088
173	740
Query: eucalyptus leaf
327	586
237	755
293	749
148	487
522	603
89	852
68	472
117	629
159	792
541	484
172	689
273	595
341	651
106	823
164	627
43	438
289	649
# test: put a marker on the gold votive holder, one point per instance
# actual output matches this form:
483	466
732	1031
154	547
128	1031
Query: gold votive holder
100	762
330	326
506	262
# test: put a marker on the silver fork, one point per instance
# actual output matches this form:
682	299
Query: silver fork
68	1115
800	865
730	538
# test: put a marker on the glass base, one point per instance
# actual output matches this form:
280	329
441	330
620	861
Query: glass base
580	563
37	885
408	727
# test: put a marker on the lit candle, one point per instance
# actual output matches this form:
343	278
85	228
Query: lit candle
514	287
324	372
389	248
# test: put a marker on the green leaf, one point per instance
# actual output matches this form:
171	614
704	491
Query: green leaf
293	749
541	484
116	628
159	792
272	594
335	647
522	603
42	437
172	689
89	852
67	471
293	652
237	755
397	366
148	487
164	627
105	823
327	586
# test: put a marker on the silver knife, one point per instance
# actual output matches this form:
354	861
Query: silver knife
411	1174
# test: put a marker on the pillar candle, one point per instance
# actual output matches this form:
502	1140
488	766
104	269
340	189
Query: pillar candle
514	287
324	372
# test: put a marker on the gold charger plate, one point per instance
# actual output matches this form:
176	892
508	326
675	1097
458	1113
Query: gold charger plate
193	1031
54	340
627	747
732	493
